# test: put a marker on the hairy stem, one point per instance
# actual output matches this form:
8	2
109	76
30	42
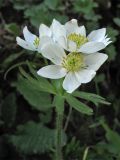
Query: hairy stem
59	123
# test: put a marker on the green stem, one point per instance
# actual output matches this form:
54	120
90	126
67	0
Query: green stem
59	124
68	118
85	153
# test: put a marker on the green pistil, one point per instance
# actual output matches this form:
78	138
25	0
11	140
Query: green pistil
73	62
78	39
36	42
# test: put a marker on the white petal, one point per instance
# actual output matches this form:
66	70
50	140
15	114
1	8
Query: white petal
57	29
94	61
44	31
71	82
53	52
81	30
85	75
91	47
62	42
29	37
24	44
52	71
71	46
71	26
97	35
43	42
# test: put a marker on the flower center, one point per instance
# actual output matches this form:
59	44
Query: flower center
36	42
73	62
78	39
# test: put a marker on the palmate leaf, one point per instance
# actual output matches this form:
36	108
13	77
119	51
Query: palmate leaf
39	100
79	106
52	4
96	99
33	138
36	13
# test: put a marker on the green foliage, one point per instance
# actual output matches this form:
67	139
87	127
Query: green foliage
86	7
32	138
73	148
46	117
96	99
54	4
39	100
117	21
13	28
8	110
39	83
21	4
113	139
79	106
111	51
113	33
36	14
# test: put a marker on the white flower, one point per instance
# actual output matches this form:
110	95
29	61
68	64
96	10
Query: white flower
73	37
33	42
77	68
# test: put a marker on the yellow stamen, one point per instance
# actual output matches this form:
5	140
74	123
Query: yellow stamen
73	62
78	39
36	42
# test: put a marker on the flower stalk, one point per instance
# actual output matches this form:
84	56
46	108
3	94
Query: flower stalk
59	105
58	138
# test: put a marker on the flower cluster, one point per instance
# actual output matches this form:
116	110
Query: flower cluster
74	55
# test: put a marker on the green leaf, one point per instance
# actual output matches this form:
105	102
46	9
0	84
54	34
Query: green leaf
21	4
8	111
32	138
79	106
13	28
40	84
51	4
85	6
36	15
39	100
112	137
46	117
86	9
96	99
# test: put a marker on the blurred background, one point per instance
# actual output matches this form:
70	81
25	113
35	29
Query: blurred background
26	129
